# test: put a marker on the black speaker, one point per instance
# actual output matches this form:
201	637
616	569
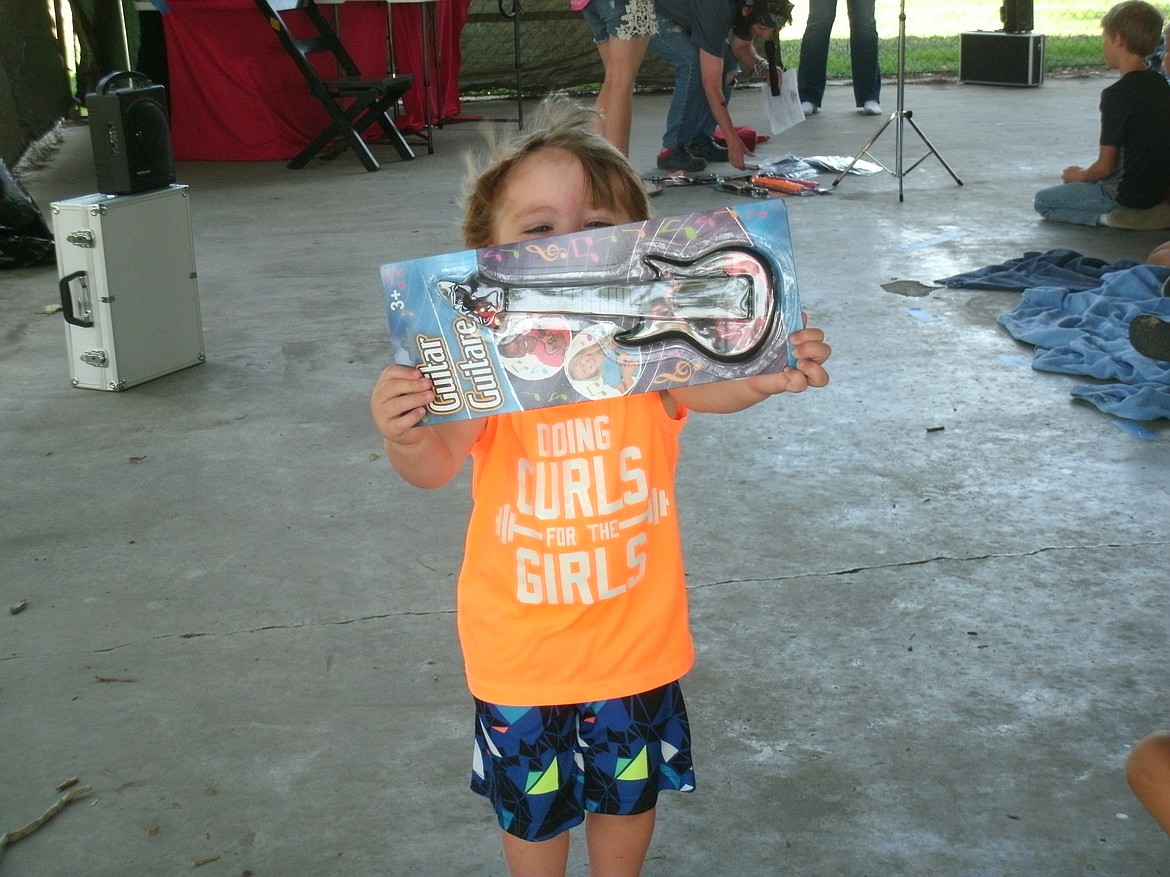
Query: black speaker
131	134
1016	16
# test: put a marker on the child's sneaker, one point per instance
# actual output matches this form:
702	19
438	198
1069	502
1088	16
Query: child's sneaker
1151	219
680	160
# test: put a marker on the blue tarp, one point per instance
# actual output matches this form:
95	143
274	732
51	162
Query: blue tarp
1086	332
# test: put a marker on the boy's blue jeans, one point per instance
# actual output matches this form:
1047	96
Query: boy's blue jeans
689	117
1077	203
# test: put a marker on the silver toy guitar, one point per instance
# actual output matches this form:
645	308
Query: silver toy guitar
721	303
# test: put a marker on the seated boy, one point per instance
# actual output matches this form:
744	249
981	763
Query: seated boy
1132	169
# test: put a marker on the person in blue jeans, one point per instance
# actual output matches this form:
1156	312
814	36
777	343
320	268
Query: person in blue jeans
863	55
706	42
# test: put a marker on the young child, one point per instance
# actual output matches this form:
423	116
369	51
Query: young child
571	603
547	345
603	368
1133	163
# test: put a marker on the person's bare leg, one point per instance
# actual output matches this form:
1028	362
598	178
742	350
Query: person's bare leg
546	858
1148	772
618	844
621	60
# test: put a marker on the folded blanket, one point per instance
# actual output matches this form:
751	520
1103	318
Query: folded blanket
1052	268
1087	333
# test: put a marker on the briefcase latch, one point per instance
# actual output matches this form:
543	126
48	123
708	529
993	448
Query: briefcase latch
96	358
82	237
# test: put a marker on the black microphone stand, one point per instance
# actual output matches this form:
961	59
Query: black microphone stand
900	115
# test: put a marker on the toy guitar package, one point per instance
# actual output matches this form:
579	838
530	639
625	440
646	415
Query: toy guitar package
633	308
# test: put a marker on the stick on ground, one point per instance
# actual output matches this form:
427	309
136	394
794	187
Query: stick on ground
25	830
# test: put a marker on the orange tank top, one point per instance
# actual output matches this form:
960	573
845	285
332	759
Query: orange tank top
572	587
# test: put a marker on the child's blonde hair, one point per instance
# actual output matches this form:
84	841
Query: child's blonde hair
1138	23
560	124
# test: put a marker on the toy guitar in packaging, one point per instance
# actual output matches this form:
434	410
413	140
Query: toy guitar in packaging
633	308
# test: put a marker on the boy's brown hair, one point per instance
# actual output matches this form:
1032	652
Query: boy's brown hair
559	124
1137	23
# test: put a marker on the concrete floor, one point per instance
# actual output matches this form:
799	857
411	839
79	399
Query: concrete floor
930	600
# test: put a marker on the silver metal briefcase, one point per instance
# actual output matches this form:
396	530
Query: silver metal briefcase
128	287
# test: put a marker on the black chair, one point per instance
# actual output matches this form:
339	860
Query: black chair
354	103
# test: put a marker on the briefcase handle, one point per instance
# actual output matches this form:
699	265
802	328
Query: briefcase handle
103	86
67	300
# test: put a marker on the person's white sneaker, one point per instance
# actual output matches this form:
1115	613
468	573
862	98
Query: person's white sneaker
871	108
808	108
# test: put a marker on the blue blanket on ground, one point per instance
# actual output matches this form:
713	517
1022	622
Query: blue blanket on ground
1086	332
1052	268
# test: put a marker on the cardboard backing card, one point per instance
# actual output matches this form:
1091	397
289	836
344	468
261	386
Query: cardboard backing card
669	302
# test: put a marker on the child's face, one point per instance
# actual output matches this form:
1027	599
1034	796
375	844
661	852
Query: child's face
546	194
520	345
586	364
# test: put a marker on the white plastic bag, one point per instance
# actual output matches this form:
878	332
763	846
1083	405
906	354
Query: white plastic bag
784	108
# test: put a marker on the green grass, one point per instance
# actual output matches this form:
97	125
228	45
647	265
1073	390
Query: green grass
1072	30
939	55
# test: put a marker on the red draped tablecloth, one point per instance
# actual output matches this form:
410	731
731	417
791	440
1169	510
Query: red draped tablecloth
235	95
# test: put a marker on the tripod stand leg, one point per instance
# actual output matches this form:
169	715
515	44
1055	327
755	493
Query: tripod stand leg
933	151
900	114
864	149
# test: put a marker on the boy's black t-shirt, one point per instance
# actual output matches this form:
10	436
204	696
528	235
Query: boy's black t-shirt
1135	117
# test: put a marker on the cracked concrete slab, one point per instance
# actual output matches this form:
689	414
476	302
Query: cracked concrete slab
930	601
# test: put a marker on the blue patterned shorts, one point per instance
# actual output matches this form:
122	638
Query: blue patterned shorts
544	767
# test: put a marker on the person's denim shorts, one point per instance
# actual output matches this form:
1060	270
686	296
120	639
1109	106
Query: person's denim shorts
621	19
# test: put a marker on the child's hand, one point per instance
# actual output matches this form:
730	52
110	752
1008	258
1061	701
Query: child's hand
399	402
808	348
810	351
425	456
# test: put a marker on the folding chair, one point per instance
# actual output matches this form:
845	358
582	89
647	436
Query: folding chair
354	103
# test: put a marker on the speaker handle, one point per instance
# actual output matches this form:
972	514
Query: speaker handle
131	75
67	300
